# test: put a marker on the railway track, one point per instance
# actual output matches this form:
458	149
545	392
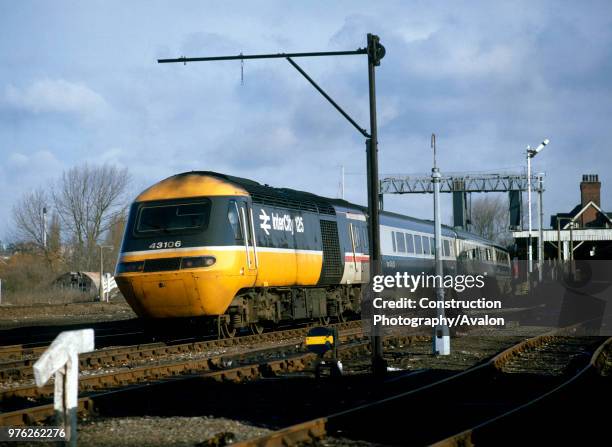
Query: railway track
28	353
497	428
17	370
31	341
439	412
353	344
526	359
127	365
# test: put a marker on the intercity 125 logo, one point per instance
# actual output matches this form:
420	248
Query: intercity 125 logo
280	222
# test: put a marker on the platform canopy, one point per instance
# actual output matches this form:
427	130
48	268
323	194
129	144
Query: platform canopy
578	235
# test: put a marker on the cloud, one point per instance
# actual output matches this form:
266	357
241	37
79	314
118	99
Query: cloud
32	164
23	172
487	78
57	96
18	160
198	43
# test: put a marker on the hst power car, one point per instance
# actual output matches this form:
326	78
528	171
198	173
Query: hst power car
207	245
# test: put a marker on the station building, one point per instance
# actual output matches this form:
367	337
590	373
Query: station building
585	231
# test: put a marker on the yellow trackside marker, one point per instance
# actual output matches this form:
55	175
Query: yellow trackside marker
320	340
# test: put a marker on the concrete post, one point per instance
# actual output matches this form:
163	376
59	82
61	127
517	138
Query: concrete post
101	287
529	243
441	335
540	226
62	360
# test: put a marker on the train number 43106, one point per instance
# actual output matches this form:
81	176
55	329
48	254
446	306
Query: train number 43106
167	244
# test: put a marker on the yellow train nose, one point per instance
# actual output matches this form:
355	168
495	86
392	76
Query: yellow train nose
179	294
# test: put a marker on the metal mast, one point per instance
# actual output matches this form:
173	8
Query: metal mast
375	52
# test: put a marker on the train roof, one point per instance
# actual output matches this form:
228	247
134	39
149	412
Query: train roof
462	234
306	201
282	197
418	224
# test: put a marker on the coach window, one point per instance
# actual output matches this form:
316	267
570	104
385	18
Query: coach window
409	243
425	245
234	220
418	246
446	247
401	244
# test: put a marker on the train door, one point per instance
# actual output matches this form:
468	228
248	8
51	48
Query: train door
250	242
357	255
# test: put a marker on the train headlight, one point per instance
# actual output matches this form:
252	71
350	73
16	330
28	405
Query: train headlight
197	261
130	267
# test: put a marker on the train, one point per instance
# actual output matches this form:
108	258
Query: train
245	256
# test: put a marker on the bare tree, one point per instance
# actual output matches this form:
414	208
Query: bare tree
29	227
88	200
54	234
28	217
490	219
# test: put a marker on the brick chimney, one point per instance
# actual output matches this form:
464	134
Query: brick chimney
590	191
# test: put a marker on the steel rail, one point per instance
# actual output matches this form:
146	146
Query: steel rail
466	437
20	369
251	371
316	429
92	382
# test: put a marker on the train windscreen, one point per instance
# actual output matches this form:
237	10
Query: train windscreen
171	218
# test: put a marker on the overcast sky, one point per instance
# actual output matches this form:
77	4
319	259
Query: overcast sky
79	83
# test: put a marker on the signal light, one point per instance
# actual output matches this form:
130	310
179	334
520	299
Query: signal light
376	51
